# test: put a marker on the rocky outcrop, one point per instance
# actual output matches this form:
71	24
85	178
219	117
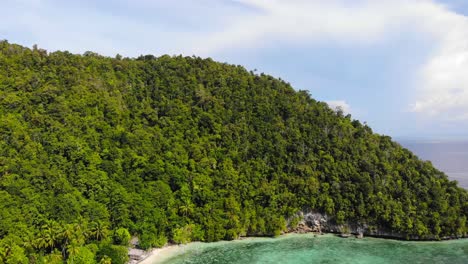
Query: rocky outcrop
312	221
301	228
321	223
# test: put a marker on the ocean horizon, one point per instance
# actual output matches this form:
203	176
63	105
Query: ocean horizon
451	157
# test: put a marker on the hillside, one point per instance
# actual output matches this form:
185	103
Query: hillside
95	149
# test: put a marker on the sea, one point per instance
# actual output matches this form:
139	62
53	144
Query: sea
309	248
450	157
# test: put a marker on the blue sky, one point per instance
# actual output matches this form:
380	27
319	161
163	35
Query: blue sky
401	66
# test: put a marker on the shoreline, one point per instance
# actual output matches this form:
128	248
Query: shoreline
159	255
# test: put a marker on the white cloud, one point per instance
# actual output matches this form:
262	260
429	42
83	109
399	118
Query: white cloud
442	83
218	26
444	79
340	104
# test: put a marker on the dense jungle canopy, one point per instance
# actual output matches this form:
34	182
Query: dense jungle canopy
94	150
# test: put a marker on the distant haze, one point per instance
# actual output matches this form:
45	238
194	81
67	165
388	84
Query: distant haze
450	157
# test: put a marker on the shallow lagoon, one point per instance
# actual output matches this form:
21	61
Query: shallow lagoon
307	248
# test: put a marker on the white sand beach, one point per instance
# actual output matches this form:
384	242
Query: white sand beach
159	255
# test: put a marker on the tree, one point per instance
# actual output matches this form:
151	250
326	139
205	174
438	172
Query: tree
82	256
11	253
117	254
122	237
99	230
183	235
93	149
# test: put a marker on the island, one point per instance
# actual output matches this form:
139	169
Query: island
96	150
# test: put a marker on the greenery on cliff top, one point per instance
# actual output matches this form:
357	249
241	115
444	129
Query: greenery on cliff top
95	149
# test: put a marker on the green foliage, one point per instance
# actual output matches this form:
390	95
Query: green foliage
183	235
188	233
117	254
54	258
151	237
93	149
122	237
105	260
83	256
294	221
12	254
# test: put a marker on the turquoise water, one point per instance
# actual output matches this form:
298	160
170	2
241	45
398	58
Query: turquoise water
323	249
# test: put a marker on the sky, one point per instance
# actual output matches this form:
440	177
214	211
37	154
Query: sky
399	65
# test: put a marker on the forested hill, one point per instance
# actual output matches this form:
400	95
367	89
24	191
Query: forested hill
95	149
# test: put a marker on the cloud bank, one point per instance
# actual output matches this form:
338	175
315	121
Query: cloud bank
441	84
209	27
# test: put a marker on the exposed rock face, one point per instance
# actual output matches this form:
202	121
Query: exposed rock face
321	223
301	228
318	222
360	233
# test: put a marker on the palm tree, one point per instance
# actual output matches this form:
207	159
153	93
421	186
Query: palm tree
50	234
187	207
105	260
73	249
3	255
44	240
67	236
5	249
99	230
40	243
55	257
28	242
57	230
67	233
81	230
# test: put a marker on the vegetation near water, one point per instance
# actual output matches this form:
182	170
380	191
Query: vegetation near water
96	149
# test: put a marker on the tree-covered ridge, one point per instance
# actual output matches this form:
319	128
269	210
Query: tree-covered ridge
95	149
